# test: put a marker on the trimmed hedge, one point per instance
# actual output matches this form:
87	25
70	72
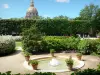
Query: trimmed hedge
47	26
60	43
7	45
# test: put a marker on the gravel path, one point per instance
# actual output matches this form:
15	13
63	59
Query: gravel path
15	61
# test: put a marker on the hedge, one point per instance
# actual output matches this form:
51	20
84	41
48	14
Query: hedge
87	72
7	45
36	73
64	43
47	26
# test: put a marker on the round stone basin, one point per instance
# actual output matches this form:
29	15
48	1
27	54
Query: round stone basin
44	64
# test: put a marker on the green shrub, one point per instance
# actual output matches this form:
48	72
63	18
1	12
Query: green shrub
33	62
79	54
61	42
45	73
69	61
36	73
98	66
17	38
87	72
83	47
7	45
26	53
52	50
88	46
32	40
98	48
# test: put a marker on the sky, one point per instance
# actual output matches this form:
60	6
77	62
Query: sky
46	8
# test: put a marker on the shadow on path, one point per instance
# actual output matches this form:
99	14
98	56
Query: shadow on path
15	53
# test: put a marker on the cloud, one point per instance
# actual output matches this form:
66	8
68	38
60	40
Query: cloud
6	6
66	1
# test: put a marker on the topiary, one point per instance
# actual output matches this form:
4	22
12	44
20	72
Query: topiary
7	45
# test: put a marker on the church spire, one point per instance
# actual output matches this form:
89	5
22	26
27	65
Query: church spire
32	3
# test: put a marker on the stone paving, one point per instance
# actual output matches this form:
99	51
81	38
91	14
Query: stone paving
15	62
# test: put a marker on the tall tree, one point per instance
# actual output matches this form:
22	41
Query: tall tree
89	13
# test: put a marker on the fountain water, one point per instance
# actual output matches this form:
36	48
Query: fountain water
54	62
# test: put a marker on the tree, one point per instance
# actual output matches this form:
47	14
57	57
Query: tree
89	13
32	40
77	18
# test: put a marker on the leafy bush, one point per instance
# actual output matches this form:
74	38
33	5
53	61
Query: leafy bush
87	72
98	66
87	46
33	62
36	73
98	48
45	73
61	42
83	47
17	38
79	54
7	45
32	40
69	61
26	53
52	50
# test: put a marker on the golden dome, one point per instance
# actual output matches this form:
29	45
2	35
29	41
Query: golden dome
32	11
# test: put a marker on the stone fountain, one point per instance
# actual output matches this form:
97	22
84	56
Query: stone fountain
54	62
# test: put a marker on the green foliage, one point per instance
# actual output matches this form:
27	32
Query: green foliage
87	72
35	62
26	53
89	12
32	40
98	48
79	54
83	46
52	50
7	45
47	26
36	73
45	73
98	66
88	46
61	42
69	61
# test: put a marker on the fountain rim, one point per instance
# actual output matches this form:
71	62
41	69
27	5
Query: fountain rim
81	64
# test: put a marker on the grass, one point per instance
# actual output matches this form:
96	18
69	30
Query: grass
18	44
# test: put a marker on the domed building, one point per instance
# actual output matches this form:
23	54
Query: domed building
32	11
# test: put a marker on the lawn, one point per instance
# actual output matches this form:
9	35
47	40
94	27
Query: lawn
18	44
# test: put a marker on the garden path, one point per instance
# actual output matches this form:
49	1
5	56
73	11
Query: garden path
15	61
